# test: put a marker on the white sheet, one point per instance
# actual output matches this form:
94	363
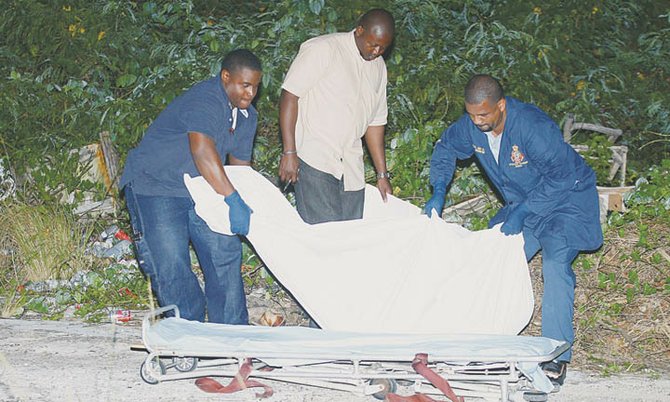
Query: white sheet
395	270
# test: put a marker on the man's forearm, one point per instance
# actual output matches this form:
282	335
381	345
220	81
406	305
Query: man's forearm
288	117
374	139
208	162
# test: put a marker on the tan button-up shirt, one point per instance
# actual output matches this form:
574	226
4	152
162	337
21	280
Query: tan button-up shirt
340	95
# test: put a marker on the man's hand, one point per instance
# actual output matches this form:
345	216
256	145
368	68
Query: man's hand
384	187
436	202
239	214
289	167
514	222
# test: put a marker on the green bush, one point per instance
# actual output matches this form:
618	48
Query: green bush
70	69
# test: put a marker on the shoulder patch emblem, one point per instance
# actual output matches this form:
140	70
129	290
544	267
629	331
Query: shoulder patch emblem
479	150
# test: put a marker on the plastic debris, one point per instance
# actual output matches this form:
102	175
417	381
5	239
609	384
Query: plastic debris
7	182
46	286
119	315
120	249
113	243
109	232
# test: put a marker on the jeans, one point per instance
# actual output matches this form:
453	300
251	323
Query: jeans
320	197
163	227
559	286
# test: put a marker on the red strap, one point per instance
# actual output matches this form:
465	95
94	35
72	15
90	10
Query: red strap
240	382
420	365
411	398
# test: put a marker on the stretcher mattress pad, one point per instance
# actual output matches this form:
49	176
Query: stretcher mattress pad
194	338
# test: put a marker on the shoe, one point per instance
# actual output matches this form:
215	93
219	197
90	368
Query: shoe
555	371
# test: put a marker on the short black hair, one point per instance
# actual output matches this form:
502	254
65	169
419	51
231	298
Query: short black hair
378	20
483	87
239	59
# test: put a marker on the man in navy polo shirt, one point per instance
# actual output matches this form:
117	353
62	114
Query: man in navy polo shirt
549	192
212	123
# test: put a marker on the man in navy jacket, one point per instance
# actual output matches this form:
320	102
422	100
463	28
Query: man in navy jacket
549	192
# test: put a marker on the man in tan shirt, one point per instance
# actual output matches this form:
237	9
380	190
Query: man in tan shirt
334	94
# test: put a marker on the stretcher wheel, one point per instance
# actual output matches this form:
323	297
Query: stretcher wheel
185	364
388	386
149	370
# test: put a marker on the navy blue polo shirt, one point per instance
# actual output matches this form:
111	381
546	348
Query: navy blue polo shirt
157	165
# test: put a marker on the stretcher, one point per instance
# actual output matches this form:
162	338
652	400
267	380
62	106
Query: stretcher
414	286
487	367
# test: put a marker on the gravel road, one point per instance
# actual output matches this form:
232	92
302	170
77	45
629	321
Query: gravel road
76	361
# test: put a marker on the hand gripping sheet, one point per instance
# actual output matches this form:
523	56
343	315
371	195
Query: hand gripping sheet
395	270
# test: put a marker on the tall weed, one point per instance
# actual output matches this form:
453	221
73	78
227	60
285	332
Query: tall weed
43	242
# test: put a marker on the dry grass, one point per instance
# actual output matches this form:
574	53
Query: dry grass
40	243
618	327
12	298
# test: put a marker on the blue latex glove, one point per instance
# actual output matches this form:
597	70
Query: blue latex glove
239	214
514	222
436	202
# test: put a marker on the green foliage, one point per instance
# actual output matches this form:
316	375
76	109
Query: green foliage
651	198
71	69
598	157
91	296
409	158
645	255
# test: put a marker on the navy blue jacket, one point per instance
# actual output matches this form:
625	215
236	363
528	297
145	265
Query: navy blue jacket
536	167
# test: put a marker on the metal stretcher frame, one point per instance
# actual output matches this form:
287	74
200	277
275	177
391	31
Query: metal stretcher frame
367	370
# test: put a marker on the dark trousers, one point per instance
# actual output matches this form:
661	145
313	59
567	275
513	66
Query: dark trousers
320	197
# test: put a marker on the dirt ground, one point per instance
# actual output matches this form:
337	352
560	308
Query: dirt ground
77	361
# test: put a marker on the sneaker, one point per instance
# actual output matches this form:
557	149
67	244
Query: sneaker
555	371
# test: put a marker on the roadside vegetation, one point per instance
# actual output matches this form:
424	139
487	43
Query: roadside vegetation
72	69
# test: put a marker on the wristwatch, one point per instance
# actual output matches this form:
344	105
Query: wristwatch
383	175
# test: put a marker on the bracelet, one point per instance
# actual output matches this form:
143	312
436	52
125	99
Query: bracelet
289	152
383	175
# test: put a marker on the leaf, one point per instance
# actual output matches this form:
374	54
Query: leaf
126	80
315	6
214	46
648	290
37	304
630	294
